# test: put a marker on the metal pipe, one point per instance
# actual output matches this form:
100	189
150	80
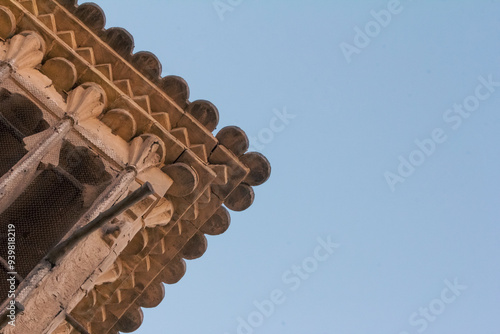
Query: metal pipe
145	190
109	196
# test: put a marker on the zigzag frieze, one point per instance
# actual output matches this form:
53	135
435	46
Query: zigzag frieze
144	96
142	70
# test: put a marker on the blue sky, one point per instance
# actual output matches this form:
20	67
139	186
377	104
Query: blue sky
418	256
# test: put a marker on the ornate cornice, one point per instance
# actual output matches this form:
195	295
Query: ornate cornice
194	173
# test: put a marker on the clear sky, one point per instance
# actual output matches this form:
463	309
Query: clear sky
381	121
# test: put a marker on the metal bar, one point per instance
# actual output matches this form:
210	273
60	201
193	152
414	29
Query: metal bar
145	190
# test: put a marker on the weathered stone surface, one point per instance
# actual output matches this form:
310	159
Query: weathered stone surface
240	198
234	139
147	63
121	123
146	151
131	321
61	71
195	247
7	23
173	272
86	101
185	179
218	223
120	40
205	112
92	15
260	168
152	296
24	50
177	88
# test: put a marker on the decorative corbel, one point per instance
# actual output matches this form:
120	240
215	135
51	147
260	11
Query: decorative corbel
24	50
146	151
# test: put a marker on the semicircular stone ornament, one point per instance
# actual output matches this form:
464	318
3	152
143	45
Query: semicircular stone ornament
121	122
218	223
152	295
195	247
240	198
185	179
120	40
147	63
7	23
176	88
131	320
61	71
205	112
92	15
260	168
234	139
173	271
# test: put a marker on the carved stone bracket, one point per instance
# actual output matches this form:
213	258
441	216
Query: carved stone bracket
24	50
86	101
